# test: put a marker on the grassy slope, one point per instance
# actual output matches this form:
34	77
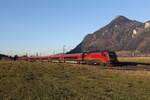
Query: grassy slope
45	81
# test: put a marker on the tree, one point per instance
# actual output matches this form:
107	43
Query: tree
15	57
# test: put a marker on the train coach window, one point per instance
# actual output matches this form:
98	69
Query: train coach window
55	58
70	57
44	58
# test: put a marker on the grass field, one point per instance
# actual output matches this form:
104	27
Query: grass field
46	81
135	59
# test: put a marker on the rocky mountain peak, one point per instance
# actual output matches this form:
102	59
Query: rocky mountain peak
121	34
120	19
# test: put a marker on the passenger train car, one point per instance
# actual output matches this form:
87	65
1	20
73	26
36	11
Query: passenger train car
104	57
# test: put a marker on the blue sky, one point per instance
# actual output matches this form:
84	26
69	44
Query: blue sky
44	26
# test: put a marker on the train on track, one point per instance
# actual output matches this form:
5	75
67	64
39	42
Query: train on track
108	58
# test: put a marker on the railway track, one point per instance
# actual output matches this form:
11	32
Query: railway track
126	66
134	68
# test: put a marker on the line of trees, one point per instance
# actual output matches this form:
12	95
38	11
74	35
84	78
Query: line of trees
5	57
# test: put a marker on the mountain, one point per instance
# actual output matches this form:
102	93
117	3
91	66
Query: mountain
120	35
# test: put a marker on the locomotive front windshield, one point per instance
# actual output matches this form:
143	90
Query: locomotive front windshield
112	55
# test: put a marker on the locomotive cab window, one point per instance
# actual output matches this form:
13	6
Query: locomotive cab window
103	54
112	55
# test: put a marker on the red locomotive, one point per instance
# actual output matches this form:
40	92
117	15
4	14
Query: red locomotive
104	57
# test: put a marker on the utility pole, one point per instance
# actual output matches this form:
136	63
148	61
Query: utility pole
54	52
26	54
37	54
64	47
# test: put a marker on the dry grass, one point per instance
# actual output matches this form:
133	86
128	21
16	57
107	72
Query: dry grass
46	81
135	59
